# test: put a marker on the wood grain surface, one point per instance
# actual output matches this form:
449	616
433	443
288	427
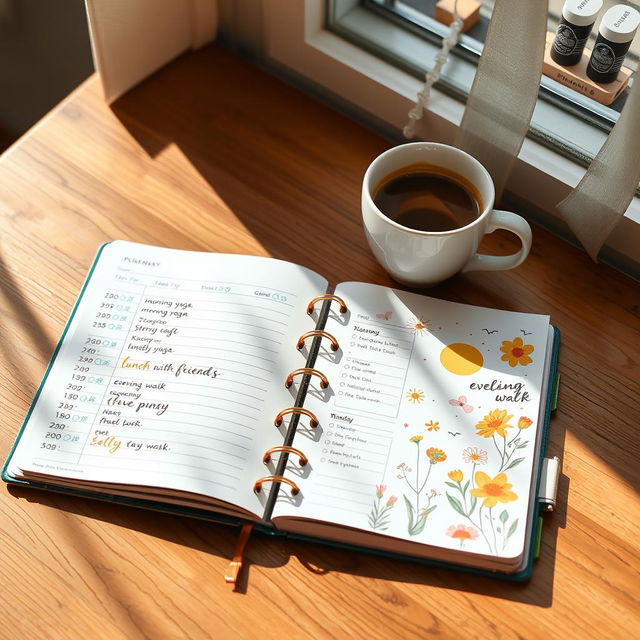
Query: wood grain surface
213	154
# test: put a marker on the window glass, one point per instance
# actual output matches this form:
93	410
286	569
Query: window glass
418	15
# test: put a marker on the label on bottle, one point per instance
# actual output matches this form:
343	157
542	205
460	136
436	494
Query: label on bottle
565	40
602	58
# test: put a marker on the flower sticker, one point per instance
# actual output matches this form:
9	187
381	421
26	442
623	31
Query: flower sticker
415	396
462	532
462	403
419	325
414	500
493	490
485	491
495	422
516	352
436	455
432	426
524	422
378	517
475	455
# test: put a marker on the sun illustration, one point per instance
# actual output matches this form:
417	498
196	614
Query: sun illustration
461	359
415	395
419	325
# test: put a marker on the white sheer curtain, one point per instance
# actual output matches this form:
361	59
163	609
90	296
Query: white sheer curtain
499	110
505	89
595	206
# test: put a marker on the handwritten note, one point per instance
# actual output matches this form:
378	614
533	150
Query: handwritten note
171	372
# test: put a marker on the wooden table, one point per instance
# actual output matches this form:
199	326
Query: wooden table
213	154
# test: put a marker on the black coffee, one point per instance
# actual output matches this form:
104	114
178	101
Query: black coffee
426	201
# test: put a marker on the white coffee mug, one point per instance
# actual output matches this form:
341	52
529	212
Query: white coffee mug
424	258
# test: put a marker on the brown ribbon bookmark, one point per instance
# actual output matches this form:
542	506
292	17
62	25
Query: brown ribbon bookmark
235	566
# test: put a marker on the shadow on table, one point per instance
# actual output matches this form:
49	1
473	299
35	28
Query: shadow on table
275	553
13	349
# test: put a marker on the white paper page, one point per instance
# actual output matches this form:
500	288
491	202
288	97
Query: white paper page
172	372
401	442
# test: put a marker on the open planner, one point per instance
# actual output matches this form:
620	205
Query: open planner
243	389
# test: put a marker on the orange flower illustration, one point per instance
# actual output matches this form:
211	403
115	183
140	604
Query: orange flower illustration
524	423
436	455
419	325
432	426
516	352
496	421
462	533
493	490
415	439
455	475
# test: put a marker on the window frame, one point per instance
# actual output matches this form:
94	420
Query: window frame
470	49
290	38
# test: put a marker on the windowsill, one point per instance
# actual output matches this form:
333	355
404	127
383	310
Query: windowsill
551	125
296	44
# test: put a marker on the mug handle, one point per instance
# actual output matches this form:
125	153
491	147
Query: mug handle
511	222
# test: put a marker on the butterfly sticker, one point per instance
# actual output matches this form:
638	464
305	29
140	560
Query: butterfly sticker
461	402
384	316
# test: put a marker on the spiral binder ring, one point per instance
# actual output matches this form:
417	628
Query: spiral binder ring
327	296
324	383
267	454
313	421
257	487
316	332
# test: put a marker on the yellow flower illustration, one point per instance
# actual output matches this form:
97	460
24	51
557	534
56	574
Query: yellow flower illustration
496	421
516	352
432	426
493	490
524	423
415	395
415	439
436	455
456	475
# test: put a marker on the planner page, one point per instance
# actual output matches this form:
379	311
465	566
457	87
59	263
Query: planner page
428	429
170	374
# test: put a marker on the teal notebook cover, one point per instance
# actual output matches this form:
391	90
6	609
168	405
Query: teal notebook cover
266	527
